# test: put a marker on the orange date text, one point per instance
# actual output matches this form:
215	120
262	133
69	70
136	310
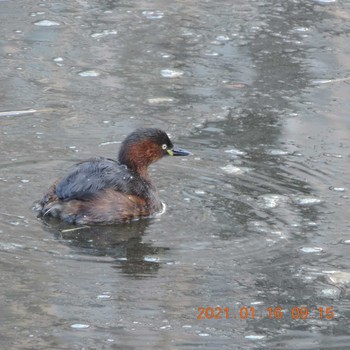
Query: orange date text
248	312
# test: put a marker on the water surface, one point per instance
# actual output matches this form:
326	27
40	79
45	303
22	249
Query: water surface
257	219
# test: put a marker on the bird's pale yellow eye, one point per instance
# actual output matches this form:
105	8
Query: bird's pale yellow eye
164	146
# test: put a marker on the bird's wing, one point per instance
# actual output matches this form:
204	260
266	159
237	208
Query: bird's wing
86	179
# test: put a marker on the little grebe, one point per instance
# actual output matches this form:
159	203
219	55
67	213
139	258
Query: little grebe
102	190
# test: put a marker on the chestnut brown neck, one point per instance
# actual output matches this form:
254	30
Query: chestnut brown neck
138	156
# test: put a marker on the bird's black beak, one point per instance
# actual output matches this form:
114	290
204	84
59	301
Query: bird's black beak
175	151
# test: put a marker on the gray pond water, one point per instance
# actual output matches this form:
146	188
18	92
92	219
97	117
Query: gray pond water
253	250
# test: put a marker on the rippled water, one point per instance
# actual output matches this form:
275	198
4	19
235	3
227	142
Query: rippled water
256	235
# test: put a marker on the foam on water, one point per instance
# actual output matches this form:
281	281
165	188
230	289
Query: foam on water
306	200
311	249
235	170
89	73
104	33
171	73
47	23
156	14
79	326
273	200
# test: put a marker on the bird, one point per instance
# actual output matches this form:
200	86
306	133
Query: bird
106	191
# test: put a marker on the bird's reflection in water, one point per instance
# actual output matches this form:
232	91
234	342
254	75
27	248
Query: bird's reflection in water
122	242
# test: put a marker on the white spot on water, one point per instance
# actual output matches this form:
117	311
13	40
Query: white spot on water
212	129
204	334
277	152
333	155
153	14
89	73
199	192
210	53
338	277
58	61
151	259
222	38
165	327
10	246
337	189
171	73
103	296
254	337
80	326
307	200
187	32
46	23
159	100
14	223
325	2
16	113
311	224
34	14
321	81
108	143
301	29
273	200
311	249
104	33
236	152
231	169
331	293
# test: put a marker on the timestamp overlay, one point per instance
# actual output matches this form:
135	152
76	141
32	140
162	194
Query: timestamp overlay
271	312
